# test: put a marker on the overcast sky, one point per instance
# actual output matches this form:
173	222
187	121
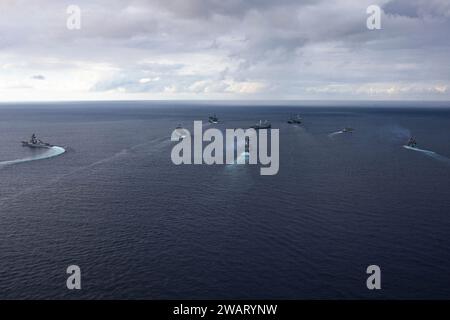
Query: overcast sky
224	49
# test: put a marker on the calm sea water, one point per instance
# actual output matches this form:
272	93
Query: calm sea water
141	227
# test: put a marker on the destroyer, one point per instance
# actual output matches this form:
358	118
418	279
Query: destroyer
34	142
181	132
295	120
412	142
262	125
213	119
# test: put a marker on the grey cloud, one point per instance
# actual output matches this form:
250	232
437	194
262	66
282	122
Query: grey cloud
418	8
238	8
402	8
158	75
287	45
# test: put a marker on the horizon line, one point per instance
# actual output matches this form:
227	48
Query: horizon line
246	101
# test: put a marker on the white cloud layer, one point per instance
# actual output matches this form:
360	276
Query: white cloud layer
232	49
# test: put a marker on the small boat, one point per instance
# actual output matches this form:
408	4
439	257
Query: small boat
181	132
295	120
262	125
412	142
213	119
348	130
34	142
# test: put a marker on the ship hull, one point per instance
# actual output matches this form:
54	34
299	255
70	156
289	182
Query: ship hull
36	146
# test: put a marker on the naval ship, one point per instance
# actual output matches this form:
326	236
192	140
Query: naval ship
262	125
34	142
213	119
412	142
295	120
182	133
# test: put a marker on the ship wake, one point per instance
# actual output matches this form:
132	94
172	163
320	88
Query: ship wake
335	133
49	153
430	153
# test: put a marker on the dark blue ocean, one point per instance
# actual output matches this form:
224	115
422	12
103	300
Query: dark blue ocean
140	227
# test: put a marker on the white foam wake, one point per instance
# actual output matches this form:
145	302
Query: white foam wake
335	133
429	153
48	153
243	157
